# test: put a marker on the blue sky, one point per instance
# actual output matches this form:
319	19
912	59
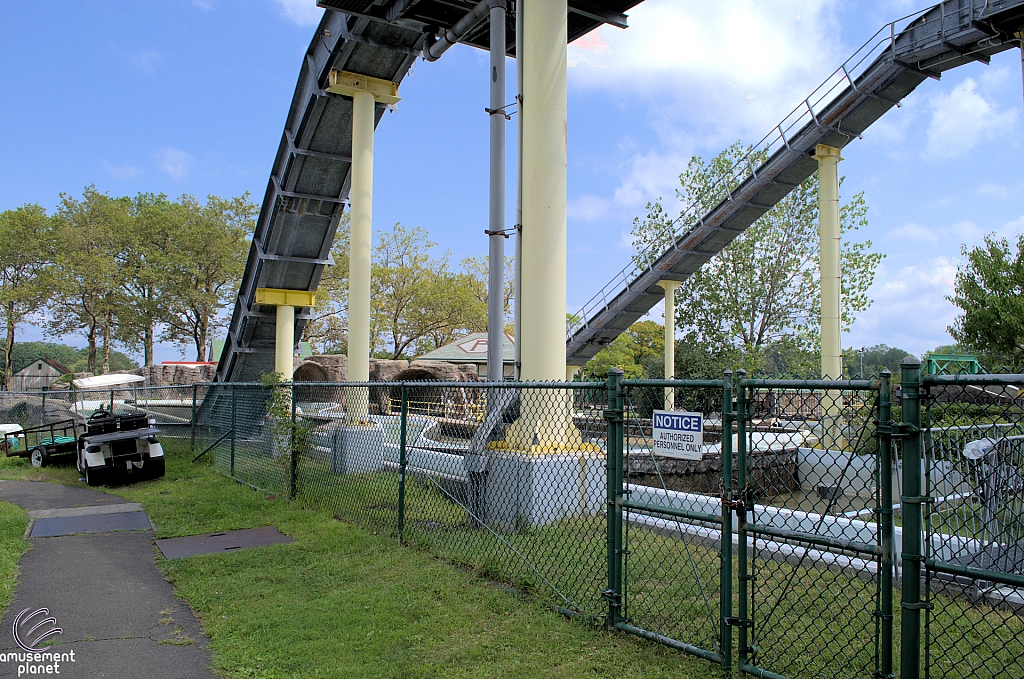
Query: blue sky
189	96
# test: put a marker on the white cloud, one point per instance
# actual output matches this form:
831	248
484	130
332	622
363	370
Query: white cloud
127	171
588	208
910	310
301	12
175	162
993	190
205	5
962	119
708	74
145	60
964	231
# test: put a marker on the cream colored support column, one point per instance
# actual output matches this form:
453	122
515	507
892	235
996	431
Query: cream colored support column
361	226
284	347
544	189
366	92
284	338
670	339
545	422
830	273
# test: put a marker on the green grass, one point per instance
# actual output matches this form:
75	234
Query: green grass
342	601
12	546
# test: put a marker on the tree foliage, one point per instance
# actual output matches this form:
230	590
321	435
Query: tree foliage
989	289
204	267
418	302
762	290
637	352
24	270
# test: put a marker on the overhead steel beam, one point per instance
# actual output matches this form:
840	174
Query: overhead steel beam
592	11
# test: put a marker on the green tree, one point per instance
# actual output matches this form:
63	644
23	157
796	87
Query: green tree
73	358
327	327
205	261
763	288
989	289
478	269
24	265
418	302
638	352
144	246
86	287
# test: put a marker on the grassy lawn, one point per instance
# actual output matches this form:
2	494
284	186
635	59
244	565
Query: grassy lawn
342	601
12	546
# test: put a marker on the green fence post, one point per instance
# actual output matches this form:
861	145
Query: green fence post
231	467
742	565
613	466
910	647
294	450
885	524
195	390
111	401
726	555
401	463
42	412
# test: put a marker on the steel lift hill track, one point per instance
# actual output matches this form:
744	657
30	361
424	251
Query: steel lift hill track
309	183
885	70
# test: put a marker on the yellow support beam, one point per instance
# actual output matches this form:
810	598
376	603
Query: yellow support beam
292	298
349	84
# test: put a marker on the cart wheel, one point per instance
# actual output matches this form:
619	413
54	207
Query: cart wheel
95	476
39	457
155	467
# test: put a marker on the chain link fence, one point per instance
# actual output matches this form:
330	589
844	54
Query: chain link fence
972	516
818	529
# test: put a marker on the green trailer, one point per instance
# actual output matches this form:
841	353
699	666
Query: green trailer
40	443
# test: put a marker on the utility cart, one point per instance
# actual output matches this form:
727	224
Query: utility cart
112	444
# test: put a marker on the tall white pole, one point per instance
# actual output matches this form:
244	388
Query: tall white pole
670	339
361	225
284	347
544	190
496	249
518	263
830	272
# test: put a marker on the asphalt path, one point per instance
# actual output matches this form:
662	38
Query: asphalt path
118	615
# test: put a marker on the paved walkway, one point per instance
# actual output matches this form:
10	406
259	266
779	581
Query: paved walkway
117	612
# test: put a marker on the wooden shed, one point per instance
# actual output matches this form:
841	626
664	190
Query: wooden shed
39	374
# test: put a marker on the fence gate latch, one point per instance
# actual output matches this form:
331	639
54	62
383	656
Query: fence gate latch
739	622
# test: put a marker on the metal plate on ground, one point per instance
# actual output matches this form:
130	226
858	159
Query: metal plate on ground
211	543
94	523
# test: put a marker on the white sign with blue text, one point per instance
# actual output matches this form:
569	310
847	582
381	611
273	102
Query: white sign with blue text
678	434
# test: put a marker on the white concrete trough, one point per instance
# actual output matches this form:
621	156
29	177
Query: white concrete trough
944	547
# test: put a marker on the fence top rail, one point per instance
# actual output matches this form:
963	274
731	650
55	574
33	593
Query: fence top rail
417	384
844	385
674	383
1016	379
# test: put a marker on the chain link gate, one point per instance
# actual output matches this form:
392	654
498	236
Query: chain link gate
668	580
773	554
815	555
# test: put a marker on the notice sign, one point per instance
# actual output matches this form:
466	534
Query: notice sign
678	434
